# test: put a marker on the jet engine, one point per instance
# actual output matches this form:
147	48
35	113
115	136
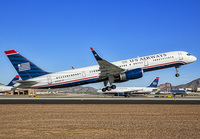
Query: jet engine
131	74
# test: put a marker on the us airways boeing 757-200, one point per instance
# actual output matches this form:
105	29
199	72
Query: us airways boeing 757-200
120	71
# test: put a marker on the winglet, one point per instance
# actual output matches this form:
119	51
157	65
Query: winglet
91	48
10	52
95	54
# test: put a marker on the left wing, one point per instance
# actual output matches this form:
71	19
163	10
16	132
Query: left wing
134	90
107	69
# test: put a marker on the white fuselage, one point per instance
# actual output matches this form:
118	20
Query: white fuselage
91	74
130	90
5	88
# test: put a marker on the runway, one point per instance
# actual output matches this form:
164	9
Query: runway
99	100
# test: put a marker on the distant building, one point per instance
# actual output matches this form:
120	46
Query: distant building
21	92
188	89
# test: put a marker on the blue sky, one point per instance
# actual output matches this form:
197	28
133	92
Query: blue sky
58	34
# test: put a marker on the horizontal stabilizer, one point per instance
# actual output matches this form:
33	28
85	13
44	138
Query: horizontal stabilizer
26	82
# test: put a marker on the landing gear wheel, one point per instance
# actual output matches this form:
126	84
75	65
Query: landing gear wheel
125	95
108	88
177	75
103	89
113	86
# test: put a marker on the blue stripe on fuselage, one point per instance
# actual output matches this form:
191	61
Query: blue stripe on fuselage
162	67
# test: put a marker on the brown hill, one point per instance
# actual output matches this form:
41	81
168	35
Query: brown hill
165	87
193	84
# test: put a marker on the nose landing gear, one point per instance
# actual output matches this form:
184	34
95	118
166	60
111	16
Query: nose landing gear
177	74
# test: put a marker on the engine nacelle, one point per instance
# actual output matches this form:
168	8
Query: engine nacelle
131	74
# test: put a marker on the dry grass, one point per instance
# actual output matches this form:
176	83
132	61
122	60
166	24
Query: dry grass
99	121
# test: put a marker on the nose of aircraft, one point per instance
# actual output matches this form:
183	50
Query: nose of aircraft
190	59
194	58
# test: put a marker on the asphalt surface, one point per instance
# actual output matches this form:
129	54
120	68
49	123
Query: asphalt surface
99	100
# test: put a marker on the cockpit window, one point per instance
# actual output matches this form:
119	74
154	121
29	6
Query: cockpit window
188	54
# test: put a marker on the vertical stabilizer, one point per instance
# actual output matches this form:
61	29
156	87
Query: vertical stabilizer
25	68
154	83
14	79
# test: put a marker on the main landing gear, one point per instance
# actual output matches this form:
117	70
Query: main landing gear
108	88
127	94
110	80
177	74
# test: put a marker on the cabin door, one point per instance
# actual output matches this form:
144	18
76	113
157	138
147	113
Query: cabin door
49	81
180	56
146	63
83	74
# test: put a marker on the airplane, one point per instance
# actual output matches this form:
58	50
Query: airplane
34	77
127	91
183	93
9	87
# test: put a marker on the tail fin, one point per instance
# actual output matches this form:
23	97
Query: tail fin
154	83
14	79
25	68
